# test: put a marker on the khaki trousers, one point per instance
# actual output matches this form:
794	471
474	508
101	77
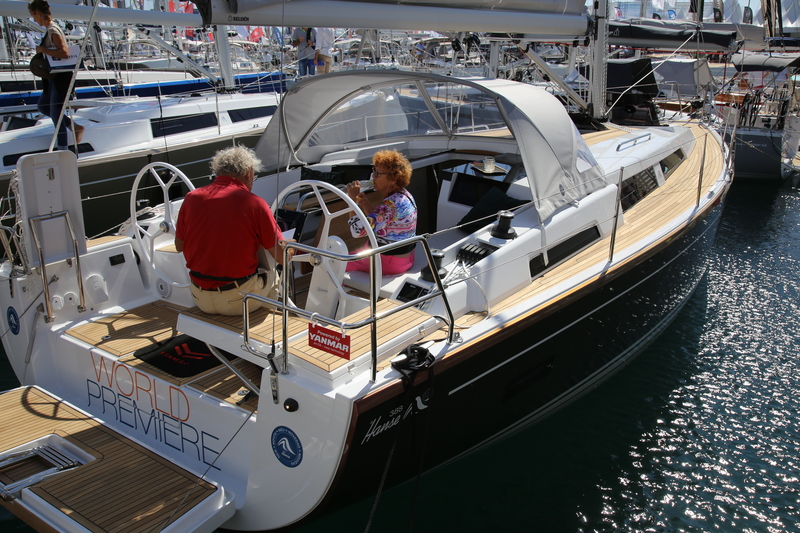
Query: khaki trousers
230	302
326	64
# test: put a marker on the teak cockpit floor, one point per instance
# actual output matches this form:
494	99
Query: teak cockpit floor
131	330
224	385
124	333
126	488
360	339
265	326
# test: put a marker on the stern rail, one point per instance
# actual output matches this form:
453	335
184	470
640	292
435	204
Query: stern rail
311	253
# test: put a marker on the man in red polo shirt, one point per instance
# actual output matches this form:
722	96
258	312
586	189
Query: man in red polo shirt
220	229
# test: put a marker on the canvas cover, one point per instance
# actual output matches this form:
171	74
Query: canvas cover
631	76
684	77
651	33
559	166
755	62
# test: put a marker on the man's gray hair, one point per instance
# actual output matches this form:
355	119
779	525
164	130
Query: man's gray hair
236	162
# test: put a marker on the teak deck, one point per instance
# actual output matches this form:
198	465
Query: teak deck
125	489
678	194
124	333
266	326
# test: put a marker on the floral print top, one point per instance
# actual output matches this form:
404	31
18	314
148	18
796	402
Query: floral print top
392	220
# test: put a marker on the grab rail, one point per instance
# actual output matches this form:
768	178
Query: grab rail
82	306
286	308
633	142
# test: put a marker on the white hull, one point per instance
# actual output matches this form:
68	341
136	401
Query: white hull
122	135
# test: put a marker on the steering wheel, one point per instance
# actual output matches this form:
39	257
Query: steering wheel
167	225
318	188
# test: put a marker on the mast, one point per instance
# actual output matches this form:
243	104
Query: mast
223	55
5	48
696	9
769	17
598	64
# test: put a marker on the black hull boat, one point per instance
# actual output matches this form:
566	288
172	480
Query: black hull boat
529	369
534	279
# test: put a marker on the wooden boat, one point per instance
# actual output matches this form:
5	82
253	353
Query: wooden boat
601	238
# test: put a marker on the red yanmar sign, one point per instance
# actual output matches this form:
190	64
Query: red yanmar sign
329	341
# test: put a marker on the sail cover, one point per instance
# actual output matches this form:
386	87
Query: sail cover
754	62
649	33
356	110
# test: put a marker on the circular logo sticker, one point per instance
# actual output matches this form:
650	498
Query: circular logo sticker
13	320
286	446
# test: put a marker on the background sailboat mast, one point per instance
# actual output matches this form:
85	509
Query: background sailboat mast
6	49
773	17
599	53
223	55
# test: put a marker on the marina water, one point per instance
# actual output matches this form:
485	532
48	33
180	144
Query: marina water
699	433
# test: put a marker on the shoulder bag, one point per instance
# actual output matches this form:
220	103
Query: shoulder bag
40	66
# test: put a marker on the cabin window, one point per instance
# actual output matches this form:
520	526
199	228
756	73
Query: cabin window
238	115
669	163
11	159
173	125
637	187
563	250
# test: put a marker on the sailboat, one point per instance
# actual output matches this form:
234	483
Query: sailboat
536	276
758	104
122	134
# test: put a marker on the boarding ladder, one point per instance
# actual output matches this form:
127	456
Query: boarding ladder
59	460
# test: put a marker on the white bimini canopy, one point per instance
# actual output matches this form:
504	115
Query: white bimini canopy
359	110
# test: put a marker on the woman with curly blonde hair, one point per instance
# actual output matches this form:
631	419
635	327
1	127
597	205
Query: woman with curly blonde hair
394	218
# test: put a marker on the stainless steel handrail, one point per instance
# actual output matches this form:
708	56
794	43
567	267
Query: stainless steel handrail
49	317
285	308
633	142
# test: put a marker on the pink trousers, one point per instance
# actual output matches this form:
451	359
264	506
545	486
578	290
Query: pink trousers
391	264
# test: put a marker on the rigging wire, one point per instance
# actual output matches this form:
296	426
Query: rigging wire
675	52
205	473
288	268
